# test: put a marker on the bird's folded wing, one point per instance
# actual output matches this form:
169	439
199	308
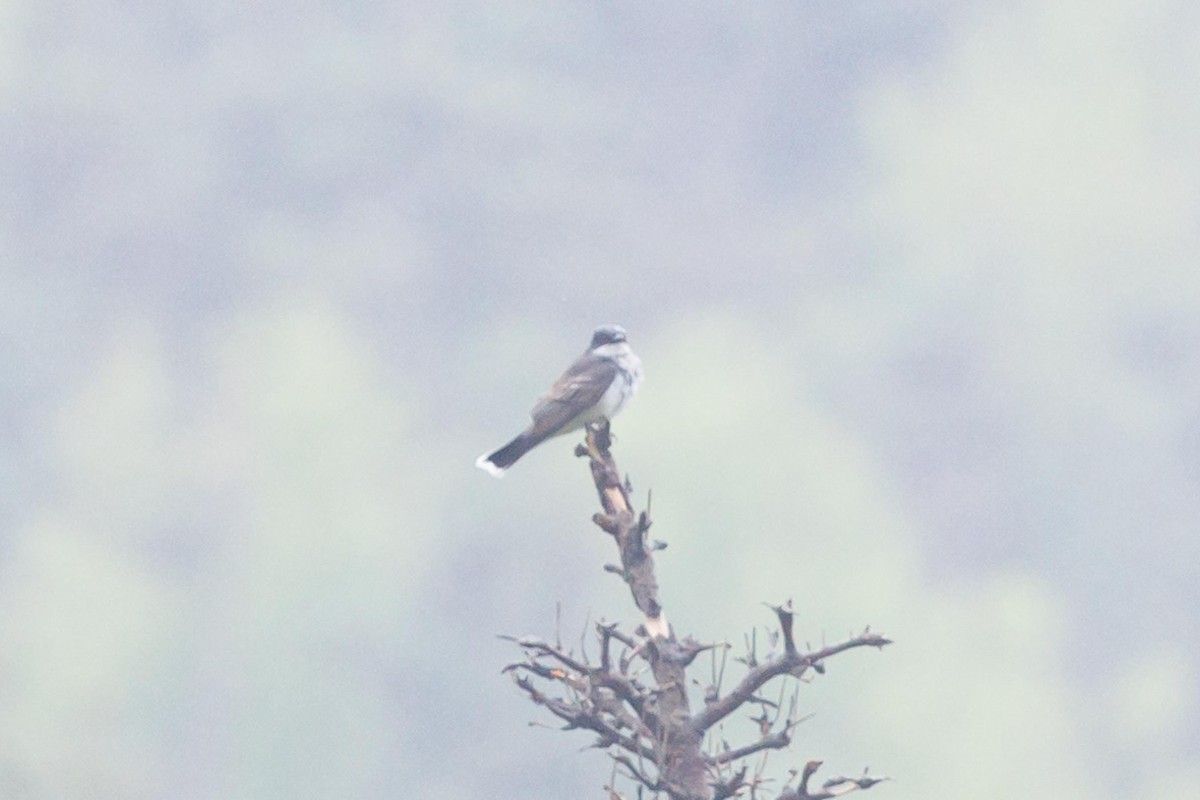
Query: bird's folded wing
577	390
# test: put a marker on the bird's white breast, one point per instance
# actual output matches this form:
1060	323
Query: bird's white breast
625	382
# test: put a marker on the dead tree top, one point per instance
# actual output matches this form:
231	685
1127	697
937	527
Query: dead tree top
645	721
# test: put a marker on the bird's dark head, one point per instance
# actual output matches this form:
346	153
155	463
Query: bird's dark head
607	334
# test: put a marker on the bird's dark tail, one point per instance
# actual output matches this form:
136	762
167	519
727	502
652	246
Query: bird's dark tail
500	460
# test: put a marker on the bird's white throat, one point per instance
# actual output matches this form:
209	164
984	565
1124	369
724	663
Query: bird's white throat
614	350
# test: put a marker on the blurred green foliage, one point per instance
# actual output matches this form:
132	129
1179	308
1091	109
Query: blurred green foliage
914	291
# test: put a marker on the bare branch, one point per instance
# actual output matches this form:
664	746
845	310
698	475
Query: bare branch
729	788
636	772
619	520
625	688
775	741
606	636
864	639
543	648
834	787
786	617
785	664
577	717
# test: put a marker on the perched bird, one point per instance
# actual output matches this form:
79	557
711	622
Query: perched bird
594	388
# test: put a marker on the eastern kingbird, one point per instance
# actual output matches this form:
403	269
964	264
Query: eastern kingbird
595	387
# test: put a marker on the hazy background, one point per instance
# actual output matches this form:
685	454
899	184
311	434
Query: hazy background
917	289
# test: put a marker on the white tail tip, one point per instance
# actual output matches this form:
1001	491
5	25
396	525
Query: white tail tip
488	467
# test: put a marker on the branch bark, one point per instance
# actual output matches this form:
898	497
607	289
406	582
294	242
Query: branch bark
651	731
787	663
629	529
